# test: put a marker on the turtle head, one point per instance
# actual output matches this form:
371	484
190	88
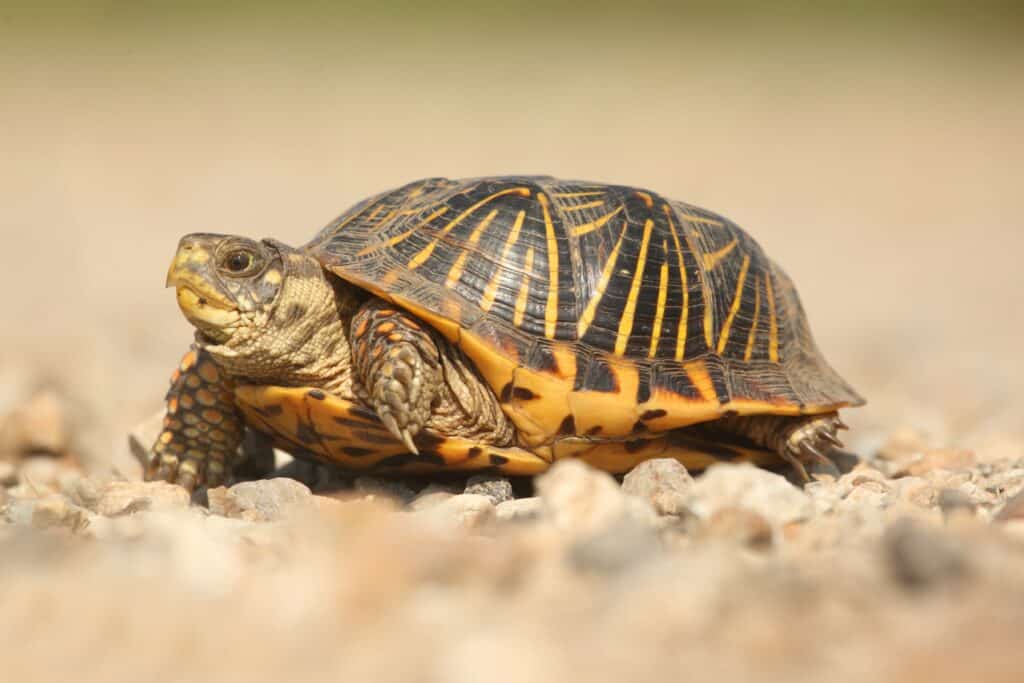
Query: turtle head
225	283
265	311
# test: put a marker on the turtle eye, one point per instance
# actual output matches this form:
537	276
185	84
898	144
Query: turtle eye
238	261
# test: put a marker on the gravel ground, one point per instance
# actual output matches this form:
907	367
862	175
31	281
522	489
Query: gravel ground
882	170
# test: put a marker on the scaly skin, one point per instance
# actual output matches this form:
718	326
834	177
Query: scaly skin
398	368
202	429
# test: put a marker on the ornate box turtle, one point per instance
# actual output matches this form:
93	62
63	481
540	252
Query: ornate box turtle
497	324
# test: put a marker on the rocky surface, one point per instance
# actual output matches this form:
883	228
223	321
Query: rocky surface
878	574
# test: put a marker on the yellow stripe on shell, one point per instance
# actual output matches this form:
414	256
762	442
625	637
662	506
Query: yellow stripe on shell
456	270
659	314
684	315
773	327
420	258
551	309
492	287
752	337
597	224
524	290
609	267
408	233
714	258
629	311
723	338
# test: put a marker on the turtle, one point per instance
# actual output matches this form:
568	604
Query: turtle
497	324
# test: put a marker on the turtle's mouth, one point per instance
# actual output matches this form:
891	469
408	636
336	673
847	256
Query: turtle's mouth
212	313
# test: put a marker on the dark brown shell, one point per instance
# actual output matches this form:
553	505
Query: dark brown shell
591	284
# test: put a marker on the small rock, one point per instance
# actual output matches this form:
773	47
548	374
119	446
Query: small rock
740	526
142	437
903	444
664	482
40	472
921	558
767	494
955	502
519	510
267	500
583	501
46	513
84	492
624	544
939	459
393	488
37	427
468	510
128	497
8	473
497	488
1013	509
432	496
916	491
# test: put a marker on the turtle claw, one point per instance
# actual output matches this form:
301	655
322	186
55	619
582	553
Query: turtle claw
402	434
809	443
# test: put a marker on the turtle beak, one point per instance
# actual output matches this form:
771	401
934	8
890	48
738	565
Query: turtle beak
193	275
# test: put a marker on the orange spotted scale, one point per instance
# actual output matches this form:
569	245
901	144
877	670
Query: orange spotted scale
602	316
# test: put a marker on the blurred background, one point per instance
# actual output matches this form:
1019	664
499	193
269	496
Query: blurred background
875	149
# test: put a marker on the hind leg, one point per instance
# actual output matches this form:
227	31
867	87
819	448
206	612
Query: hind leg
800	441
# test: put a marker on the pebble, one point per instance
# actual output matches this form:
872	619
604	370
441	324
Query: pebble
37	427
267	500
467	510
663	482
432	496
582	501
765	493
623	545
519	510
8	473
919	557
143	435
740	526
497	488
1012	510
120	498
391	488
955	502
939	459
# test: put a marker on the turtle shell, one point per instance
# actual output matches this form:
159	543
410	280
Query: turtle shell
592	310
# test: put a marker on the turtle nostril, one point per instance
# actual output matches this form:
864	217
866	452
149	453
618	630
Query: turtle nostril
202	301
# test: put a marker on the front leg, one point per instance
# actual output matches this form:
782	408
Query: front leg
397	366
202	429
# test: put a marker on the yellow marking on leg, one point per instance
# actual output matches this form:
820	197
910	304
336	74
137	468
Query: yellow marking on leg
684	315
408	233
773	327
581	230
659	315
699	219
628	313
587	205
714	258
609	267
492	287
757	313
456	271
723	338
551	309
418	260
571	195
524	290
648	199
